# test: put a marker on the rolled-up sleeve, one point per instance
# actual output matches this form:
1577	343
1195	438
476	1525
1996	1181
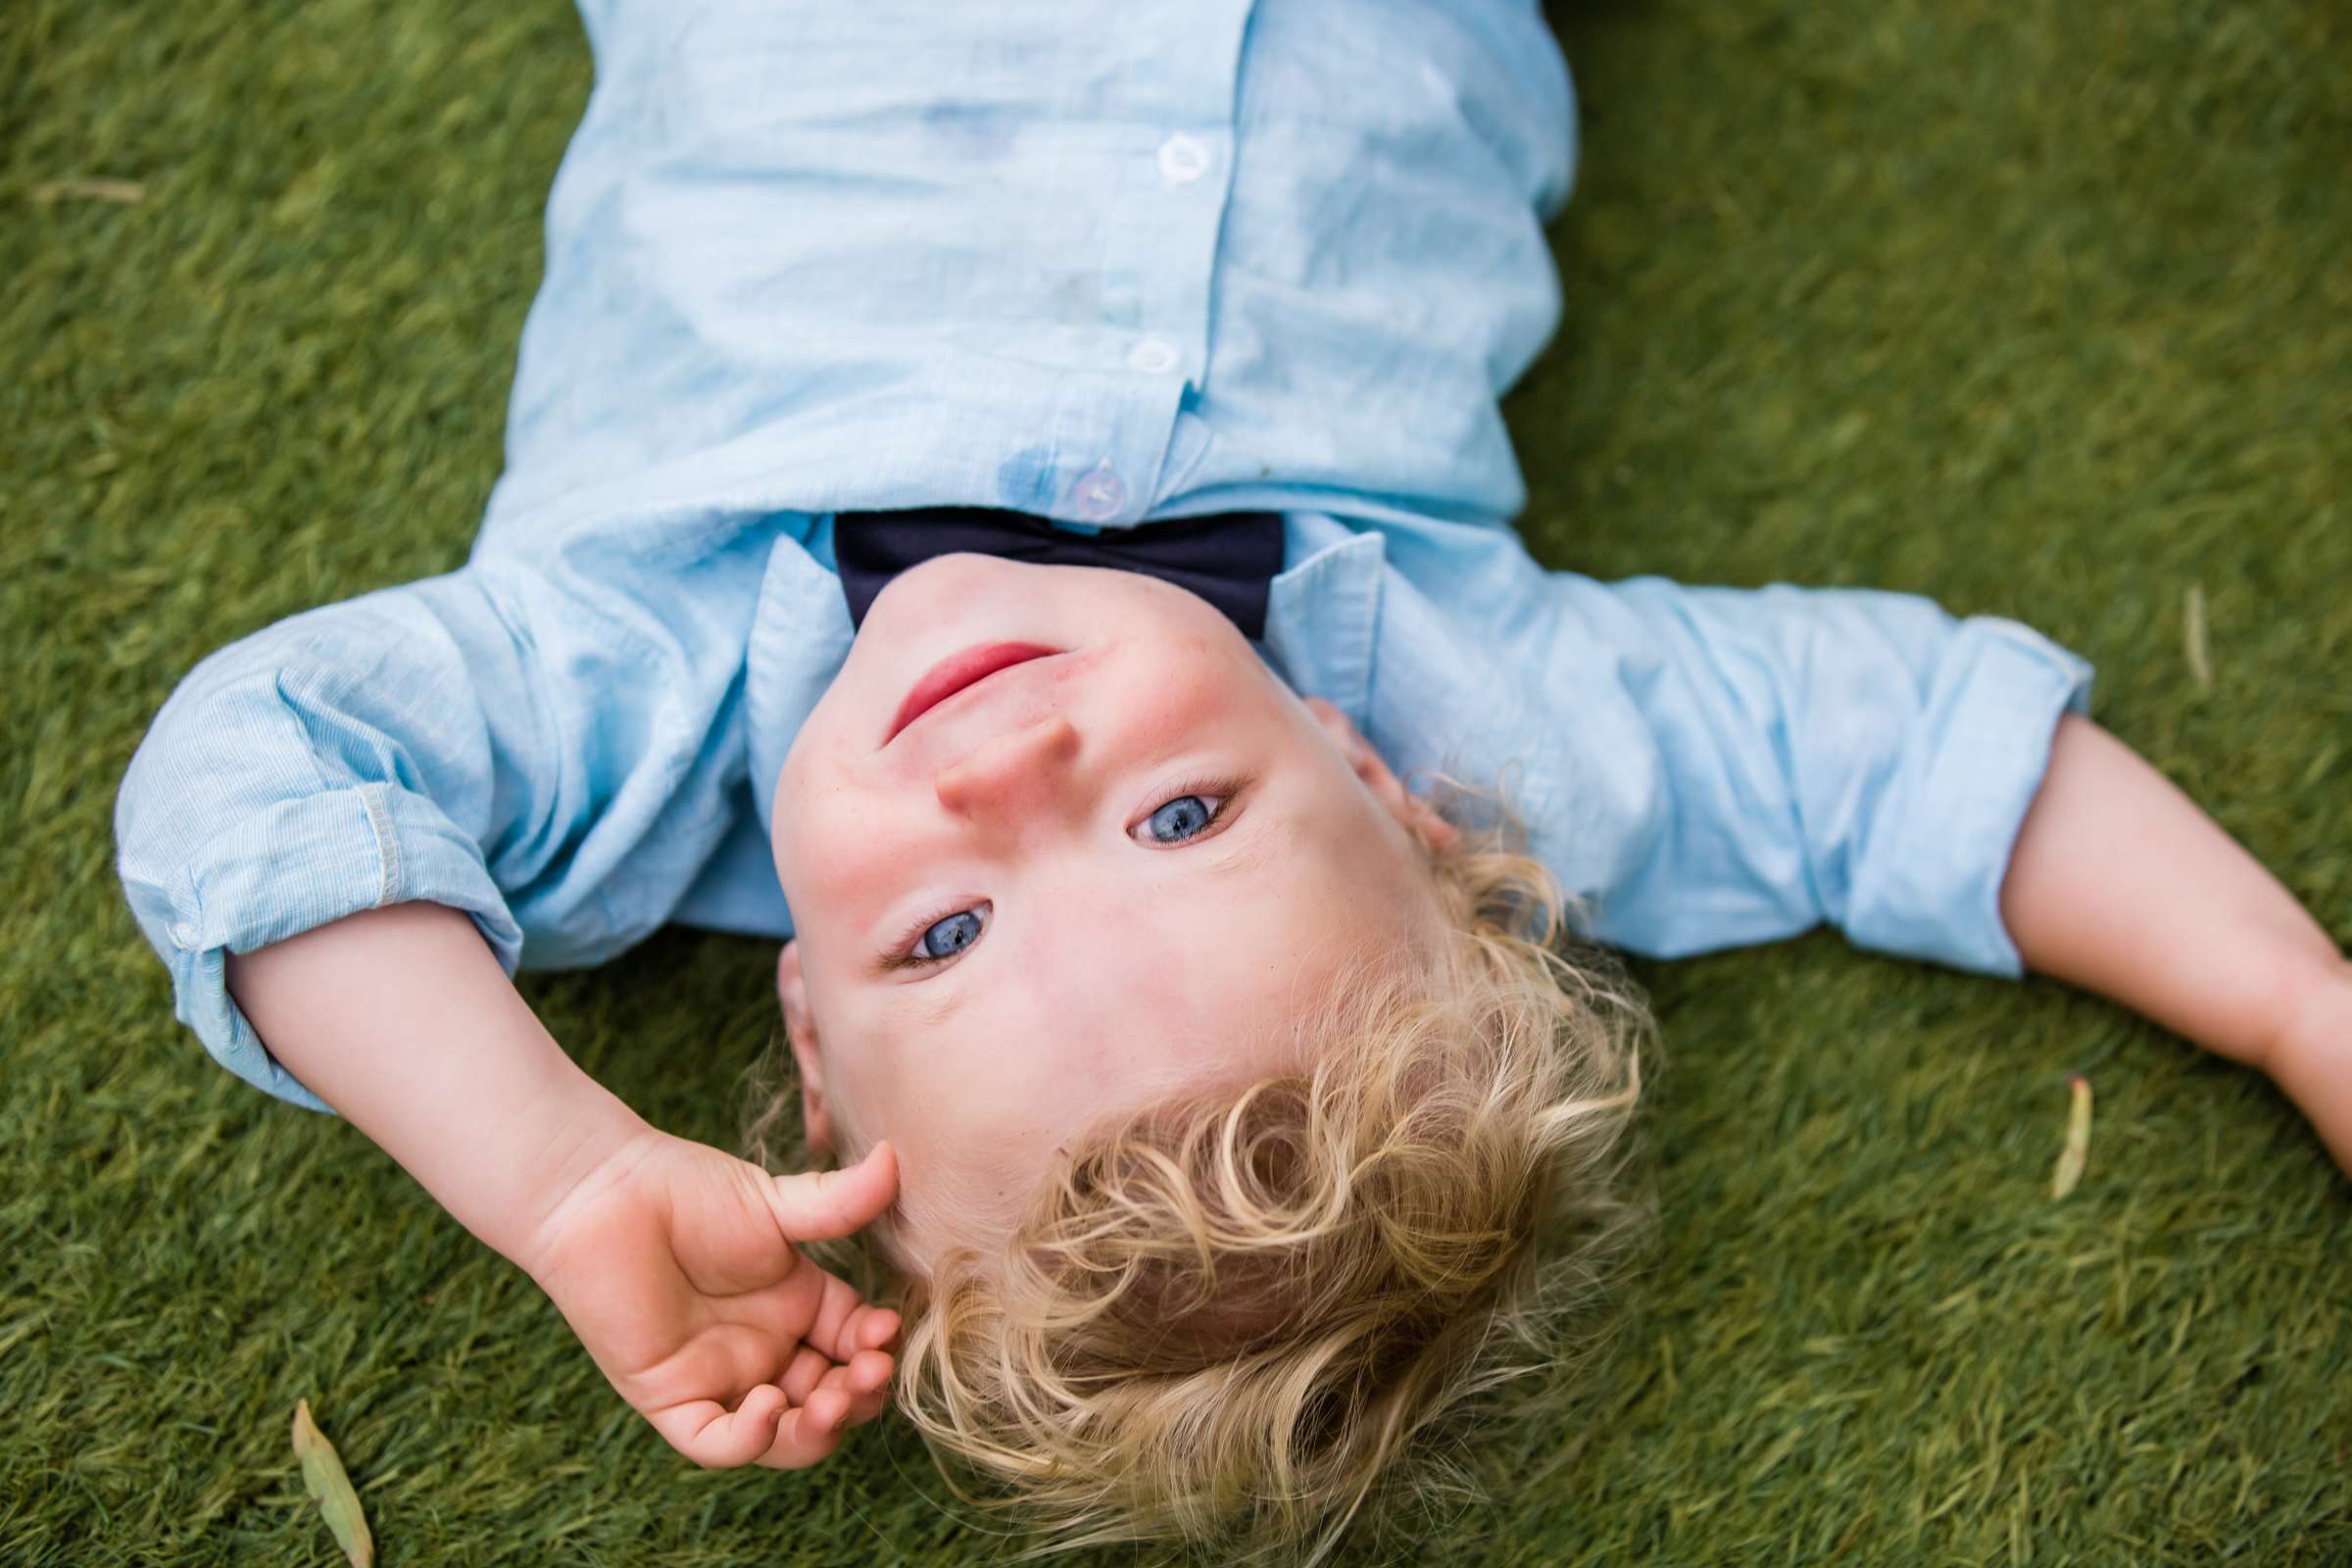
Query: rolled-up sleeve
558	760
1856	757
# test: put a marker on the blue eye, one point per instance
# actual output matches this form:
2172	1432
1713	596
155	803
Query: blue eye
1181	819
946	938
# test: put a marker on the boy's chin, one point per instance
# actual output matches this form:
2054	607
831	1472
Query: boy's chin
955	595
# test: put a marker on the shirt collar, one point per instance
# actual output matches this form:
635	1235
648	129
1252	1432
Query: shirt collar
1321	618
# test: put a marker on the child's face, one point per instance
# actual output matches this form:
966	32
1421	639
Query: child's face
1115	953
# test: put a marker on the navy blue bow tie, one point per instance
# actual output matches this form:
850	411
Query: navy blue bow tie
1227	560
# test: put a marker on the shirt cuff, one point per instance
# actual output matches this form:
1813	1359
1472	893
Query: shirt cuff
297	866
1929	884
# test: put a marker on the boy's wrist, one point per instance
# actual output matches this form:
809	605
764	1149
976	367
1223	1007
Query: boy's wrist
402	1020
575	1138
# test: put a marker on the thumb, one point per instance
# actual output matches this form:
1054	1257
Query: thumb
820	1205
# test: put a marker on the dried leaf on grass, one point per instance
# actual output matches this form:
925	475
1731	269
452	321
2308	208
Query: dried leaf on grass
2077	1152
97	190
324	1475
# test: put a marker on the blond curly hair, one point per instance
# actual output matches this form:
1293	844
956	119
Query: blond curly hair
1234	1319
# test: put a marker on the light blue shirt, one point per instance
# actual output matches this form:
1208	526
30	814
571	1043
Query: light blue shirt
1109	262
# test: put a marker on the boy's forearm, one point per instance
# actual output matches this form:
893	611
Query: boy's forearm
2120	885
402	1020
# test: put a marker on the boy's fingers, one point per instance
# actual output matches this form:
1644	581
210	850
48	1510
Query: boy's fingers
867	1371
869	1380
876	1329
820	1205
719	1439
866	1380
834	1330
809	1434
800	1380
869	1374
847	1324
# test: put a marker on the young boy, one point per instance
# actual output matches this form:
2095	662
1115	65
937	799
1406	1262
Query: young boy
1008	499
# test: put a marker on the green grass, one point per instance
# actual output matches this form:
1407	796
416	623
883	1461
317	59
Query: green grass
2045	310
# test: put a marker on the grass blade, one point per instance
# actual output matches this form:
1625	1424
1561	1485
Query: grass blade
2077	1152
2200	657
324	1475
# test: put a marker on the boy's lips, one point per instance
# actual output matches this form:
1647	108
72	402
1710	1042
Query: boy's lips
958	671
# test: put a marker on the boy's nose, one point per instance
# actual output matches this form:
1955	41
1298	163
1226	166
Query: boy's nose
1016	775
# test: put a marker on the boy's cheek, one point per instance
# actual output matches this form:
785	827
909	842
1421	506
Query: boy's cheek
840	865
813	862
816	809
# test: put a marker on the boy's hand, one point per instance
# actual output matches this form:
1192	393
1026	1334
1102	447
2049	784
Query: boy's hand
676	1266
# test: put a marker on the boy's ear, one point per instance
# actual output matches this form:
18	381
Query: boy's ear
801	1029
1420	818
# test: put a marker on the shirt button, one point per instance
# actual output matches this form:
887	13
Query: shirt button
1183	159
184	934
1153	356
1099	494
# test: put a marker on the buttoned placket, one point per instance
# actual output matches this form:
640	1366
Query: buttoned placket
1160	246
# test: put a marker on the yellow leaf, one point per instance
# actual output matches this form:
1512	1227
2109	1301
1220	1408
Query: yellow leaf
324	1475
2071	1158
97	190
